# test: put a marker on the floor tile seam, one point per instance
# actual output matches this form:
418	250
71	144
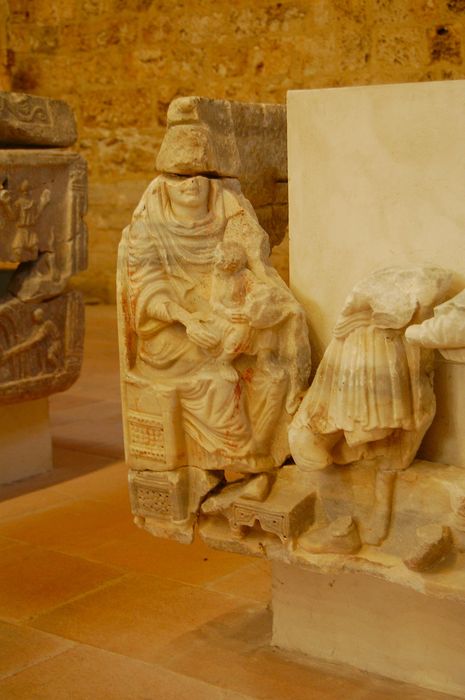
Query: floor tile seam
199	586
225	577
72	449
4	519
51	507
99	501
29	620
241	597
65	551
98	453
155	665
135	573
11	543
86	392
82	399
69	644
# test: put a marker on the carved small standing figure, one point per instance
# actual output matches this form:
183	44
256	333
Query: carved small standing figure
243	304
46	333
25	213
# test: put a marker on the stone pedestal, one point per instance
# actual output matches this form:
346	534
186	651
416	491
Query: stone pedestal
25	440
43	242
374	181
374	625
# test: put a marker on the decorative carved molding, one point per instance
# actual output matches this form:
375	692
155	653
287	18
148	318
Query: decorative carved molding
29	120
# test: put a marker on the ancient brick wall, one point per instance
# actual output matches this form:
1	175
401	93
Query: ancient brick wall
120	62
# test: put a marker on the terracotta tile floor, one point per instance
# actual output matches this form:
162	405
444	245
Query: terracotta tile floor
93	608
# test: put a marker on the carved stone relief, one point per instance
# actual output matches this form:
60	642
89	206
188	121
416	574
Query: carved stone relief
43	241
357	498
213	340
214	348
40	346
42	207
29	120
221	432
233	140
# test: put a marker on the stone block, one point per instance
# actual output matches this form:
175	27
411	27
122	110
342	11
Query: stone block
238	131
29	120
43	200
365	622
166	503
230	139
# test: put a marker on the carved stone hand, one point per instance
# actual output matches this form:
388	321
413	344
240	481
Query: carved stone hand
200	335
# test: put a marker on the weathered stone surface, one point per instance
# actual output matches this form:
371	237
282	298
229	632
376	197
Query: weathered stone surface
41	346
29	120
232	139
389	630
387	159
43	200
166	504
214	348
281	507
372	396
335	522
387	190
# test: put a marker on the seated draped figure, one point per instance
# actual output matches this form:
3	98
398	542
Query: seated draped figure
372	397
215	350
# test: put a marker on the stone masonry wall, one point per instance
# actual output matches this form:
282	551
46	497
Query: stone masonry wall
120	62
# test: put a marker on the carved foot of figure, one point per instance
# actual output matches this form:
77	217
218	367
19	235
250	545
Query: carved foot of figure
339	537
378	528
259	487
433	544
223	500
256	488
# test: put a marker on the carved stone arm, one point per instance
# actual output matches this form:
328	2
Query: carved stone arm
168	311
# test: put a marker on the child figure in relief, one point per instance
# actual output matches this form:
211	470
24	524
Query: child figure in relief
244	312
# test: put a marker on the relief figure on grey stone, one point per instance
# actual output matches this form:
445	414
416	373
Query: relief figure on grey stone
203	335
40	346
23	211
45	334
42	208
372	398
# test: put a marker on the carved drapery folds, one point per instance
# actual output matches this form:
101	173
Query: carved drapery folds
43	241
221	429
214	347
